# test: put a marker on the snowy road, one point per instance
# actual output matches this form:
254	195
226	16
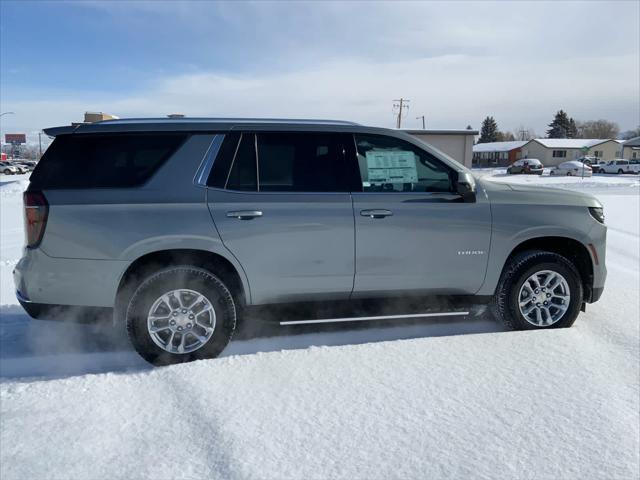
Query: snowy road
416	400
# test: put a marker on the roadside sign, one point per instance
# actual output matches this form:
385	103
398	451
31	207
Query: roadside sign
15	138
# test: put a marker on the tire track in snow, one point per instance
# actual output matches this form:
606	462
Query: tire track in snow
207	447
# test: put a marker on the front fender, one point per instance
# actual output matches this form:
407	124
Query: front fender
516	224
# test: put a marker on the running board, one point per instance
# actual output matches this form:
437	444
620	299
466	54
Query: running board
381	317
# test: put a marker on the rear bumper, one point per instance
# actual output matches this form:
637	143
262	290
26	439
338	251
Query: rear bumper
40	279
43	311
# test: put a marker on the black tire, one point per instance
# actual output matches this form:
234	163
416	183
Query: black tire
174	278
505	301
7	172
620	171
569	174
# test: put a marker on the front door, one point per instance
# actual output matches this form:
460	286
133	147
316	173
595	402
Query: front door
284	211
413	233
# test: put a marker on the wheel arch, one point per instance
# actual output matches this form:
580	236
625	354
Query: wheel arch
218	264
573	250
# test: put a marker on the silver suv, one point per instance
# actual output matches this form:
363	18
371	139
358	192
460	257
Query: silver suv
181	226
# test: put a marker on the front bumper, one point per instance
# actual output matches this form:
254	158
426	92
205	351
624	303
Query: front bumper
41	279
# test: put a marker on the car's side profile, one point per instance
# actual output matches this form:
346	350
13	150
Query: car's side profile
9	169
531	166
572	168
620	165
181	225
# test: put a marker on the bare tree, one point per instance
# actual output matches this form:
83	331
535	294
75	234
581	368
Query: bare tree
598	129
524	133
630	134
505	137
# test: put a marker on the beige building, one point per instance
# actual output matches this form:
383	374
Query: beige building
90	117
631	149
458	144
554	151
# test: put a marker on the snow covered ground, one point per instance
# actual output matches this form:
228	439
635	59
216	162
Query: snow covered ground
434	399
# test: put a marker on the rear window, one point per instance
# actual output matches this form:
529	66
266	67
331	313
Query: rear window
103	161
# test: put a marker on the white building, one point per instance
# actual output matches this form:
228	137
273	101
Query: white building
553	151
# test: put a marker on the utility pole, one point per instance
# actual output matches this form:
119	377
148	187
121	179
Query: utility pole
523	133
400	104
421	117
40	145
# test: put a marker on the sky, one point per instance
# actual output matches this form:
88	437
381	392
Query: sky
456	62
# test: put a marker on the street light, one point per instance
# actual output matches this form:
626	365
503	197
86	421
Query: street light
7	113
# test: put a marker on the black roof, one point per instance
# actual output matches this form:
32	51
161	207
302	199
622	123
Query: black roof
192	124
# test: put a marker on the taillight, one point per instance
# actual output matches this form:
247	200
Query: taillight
36	211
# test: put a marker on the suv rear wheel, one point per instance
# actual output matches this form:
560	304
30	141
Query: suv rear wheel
180	314
537	290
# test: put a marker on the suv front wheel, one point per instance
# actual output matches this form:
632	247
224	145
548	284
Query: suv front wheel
180	314
537	290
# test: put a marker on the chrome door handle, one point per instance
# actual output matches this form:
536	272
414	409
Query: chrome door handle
376	213
245	214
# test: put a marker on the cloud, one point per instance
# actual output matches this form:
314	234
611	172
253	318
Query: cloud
457	62
452	91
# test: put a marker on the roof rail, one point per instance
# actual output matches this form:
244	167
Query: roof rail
304	121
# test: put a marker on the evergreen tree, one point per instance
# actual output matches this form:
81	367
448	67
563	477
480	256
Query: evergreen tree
573	129
561	126
488	131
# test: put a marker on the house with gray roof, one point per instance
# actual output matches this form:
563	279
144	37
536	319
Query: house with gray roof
631	149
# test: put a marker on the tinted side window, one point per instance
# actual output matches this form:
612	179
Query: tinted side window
222	162
243	171
103	161
303	162
389	164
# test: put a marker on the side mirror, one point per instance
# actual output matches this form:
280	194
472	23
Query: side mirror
466	187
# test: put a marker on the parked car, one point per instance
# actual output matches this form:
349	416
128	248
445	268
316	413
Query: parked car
26	168
572	168
19	167
634	165
526	166
588	160
8	169
208	219
620	165
598	167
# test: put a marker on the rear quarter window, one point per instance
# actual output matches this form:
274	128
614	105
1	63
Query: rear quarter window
103	161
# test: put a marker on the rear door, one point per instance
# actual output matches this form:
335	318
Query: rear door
281	202
413	233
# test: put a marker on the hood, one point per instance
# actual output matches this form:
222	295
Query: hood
499	192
